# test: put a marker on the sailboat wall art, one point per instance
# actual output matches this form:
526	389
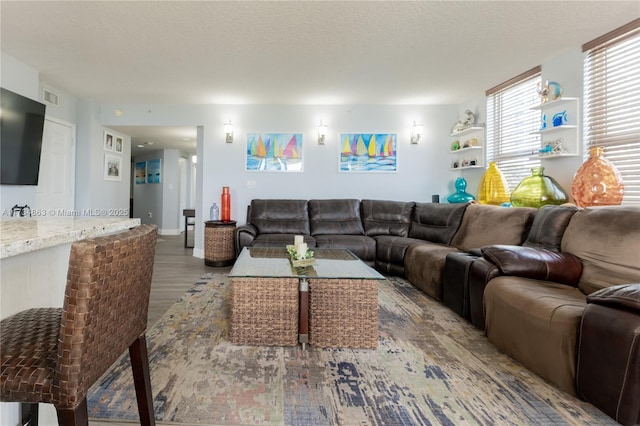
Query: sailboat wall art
274	152
368	152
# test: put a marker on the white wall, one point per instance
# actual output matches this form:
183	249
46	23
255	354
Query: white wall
148	197
162	200
421	169
92	191
566	69
24	80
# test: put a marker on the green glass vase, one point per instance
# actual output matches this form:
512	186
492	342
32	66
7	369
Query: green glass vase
493	187
537	190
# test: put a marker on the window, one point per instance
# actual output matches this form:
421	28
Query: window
612	102
511	122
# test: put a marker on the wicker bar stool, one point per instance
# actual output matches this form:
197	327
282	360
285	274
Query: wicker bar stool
54	355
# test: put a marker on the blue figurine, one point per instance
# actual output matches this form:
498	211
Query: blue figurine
460	196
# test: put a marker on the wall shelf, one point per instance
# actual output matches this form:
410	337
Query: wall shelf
556	103
567	134
467	131
474	153
469	148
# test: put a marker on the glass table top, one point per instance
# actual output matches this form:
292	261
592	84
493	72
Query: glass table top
273	262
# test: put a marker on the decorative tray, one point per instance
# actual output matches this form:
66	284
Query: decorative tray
300	263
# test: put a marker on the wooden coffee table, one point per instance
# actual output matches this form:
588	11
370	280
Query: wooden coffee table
333	303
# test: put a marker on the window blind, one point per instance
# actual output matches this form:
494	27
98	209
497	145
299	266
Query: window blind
612	102
510	123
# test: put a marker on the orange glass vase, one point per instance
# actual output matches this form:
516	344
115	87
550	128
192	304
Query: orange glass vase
493	187
225	214
597	182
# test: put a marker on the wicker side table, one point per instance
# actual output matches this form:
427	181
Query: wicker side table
219	243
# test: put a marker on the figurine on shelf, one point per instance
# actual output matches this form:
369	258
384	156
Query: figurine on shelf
465	123
555	90
543	91
557	147
560	118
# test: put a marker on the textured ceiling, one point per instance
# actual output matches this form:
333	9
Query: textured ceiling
295	52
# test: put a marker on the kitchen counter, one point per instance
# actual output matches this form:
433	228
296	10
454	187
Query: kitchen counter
24	235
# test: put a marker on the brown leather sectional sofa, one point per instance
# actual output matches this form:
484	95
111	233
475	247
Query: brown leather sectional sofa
553	288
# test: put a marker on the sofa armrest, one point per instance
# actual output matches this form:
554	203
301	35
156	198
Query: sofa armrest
245	235
535	263
623	295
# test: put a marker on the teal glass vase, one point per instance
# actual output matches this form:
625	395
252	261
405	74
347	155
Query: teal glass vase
538	190
460	196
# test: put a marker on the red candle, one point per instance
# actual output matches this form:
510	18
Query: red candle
225	214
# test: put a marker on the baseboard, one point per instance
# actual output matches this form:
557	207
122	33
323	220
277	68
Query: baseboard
168	232
199	253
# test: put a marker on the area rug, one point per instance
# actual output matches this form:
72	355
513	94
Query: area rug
430	367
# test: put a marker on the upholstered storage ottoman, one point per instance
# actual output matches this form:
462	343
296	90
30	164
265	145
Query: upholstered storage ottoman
608	371
455	293
343	313
264	311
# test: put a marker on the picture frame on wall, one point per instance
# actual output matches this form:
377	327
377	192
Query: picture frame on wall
274	152
368	153
154	171
140	172
118	144
112	167
108	141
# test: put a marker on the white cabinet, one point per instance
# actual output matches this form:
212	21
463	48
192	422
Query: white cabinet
559	133
467	149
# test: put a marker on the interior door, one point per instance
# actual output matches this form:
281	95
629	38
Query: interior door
56	182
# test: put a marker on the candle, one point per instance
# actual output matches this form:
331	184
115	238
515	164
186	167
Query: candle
297	240
301	249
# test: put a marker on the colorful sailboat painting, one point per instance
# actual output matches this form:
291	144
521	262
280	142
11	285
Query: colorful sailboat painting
368	152
281	152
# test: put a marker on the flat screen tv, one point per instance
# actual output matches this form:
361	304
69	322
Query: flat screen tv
21	126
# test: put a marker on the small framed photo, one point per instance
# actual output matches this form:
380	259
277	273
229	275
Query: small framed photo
112	167
108	141
117	145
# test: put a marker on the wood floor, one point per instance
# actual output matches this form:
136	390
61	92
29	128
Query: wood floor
175	271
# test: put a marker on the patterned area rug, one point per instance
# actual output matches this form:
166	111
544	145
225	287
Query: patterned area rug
430	367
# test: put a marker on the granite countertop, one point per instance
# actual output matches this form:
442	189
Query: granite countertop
23	235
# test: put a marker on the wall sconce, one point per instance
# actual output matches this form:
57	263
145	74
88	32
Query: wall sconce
194	159
416	132
322	133
228	131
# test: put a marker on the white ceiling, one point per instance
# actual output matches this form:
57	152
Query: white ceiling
295	52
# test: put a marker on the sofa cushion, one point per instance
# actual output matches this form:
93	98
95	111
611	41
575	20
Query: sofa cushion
536	322
607	241
424	267
362	246
436	222
280	216
535	263
548	227
484	225
335	217
386	217
626	296
280	240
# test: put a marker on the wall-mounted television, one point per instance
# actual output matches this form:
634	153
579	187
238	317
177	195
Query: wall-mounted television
21	126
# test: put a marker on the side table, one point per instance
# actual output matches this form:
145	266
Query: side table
219	243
